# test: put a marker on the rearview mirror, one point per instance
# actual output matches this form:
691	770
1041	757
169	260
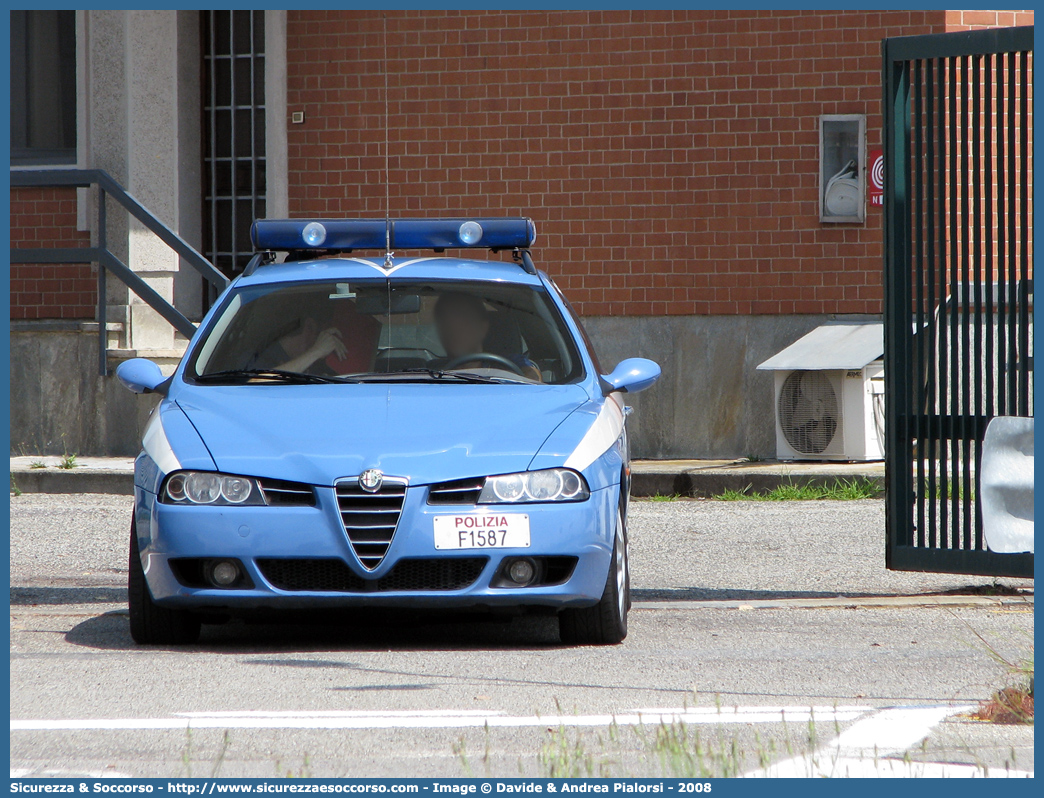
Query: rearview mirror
381	303
139	375
631	375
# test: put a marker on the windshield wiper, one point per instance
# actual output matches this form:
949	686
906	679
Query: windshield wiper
466	376
276	375
435	374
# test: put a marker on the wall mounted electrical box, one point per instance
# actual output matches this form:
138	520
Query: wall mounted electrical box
842	160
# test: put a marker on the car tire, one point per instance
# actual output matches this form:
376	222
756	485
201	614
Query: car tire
604	624
151	624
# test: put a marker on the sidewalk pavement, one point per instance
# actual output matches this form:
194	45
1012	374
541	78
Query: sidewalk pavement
701	478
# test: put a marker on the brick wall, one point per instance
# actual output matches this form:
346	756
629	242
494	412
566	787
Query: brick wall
669	158
46	218
975	20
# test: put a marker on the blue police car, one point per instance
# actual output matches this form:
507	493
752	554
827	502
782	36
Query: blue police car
352	430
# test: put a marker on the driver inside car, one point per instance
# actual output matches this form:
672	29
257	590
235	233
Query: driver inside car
462	322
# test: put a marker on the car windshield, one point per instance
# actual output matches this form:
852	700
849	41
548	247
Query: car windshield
380	330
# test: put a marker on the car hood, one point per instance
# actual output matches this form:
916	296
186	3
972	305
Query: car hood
425	432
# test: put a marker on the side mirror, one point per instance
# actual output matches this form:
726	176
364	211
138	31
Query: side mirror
631	375
139	375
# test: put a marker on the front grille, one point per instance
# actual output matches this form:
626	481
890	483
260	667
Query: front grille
461	491
370	519
280	493
334	576
436	574
327	576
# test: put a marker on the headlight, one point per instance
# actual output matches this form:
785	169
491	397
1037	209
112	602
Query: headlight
208	487
549	485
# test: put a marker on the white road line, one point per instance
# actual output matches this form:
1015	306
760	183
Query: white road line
30	773
899	769
788	714
442	719
341	713
867	750
892	731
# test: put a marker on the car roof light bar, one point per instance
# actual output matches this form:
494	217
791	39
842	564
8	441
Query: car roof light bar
341	235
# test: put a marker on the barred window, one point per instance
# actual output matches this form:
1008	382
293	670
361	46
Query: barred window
43	87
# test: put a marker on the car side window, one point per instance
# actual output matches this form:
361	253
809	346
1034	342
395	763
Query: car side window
580	326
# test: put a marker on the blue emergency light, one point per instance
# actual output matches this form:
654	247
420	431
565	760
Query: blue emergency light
351	234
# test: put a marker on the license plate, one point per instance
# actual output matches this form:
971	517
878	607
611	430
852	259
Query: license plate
472	531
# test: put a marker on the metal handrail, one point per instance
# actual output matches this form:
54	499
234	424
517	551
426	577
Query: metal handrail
106	260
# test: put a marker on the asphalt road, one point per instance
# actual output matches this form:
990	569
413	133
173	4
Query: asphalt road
729	632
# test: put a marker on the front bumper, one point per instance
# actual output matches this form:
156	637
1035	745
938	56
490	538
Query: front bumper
252	535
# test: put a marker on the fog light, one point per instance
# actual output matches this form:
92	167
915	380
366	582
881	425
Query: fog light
224	573
521	572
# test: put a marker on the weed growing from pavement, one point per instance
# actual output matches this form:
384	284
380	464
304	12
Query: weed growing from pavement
682	752
679	750
186	754
1009	705
226	741
665	497
670	750
840	490
1012	704
38	464
565	755
68	461
460	751
219	759
305	771
15	490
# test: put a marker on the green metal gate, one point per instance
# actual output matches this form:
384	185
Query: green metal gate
958	284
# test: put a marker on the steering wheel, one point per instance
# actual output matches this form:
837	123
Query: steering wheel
489	357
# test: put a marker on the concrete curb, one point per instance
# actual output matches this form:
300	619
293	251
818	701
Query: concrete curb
691	478
707	478
74	481
706	484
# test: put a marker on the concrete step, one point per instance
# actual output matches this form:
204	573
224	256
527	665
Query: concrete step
165	358
114	334
46	474
151	354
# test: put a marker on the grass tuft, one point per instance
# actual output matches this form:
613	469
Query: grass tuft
674	750
665	497
15	490
38	464
840	490
68	461
1012	705
947	489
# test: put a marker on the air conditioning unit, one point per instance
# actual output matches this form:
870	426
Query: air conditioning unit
829	394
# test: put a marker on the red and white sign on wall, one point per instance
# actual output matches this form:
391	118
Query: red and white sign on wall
875	188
